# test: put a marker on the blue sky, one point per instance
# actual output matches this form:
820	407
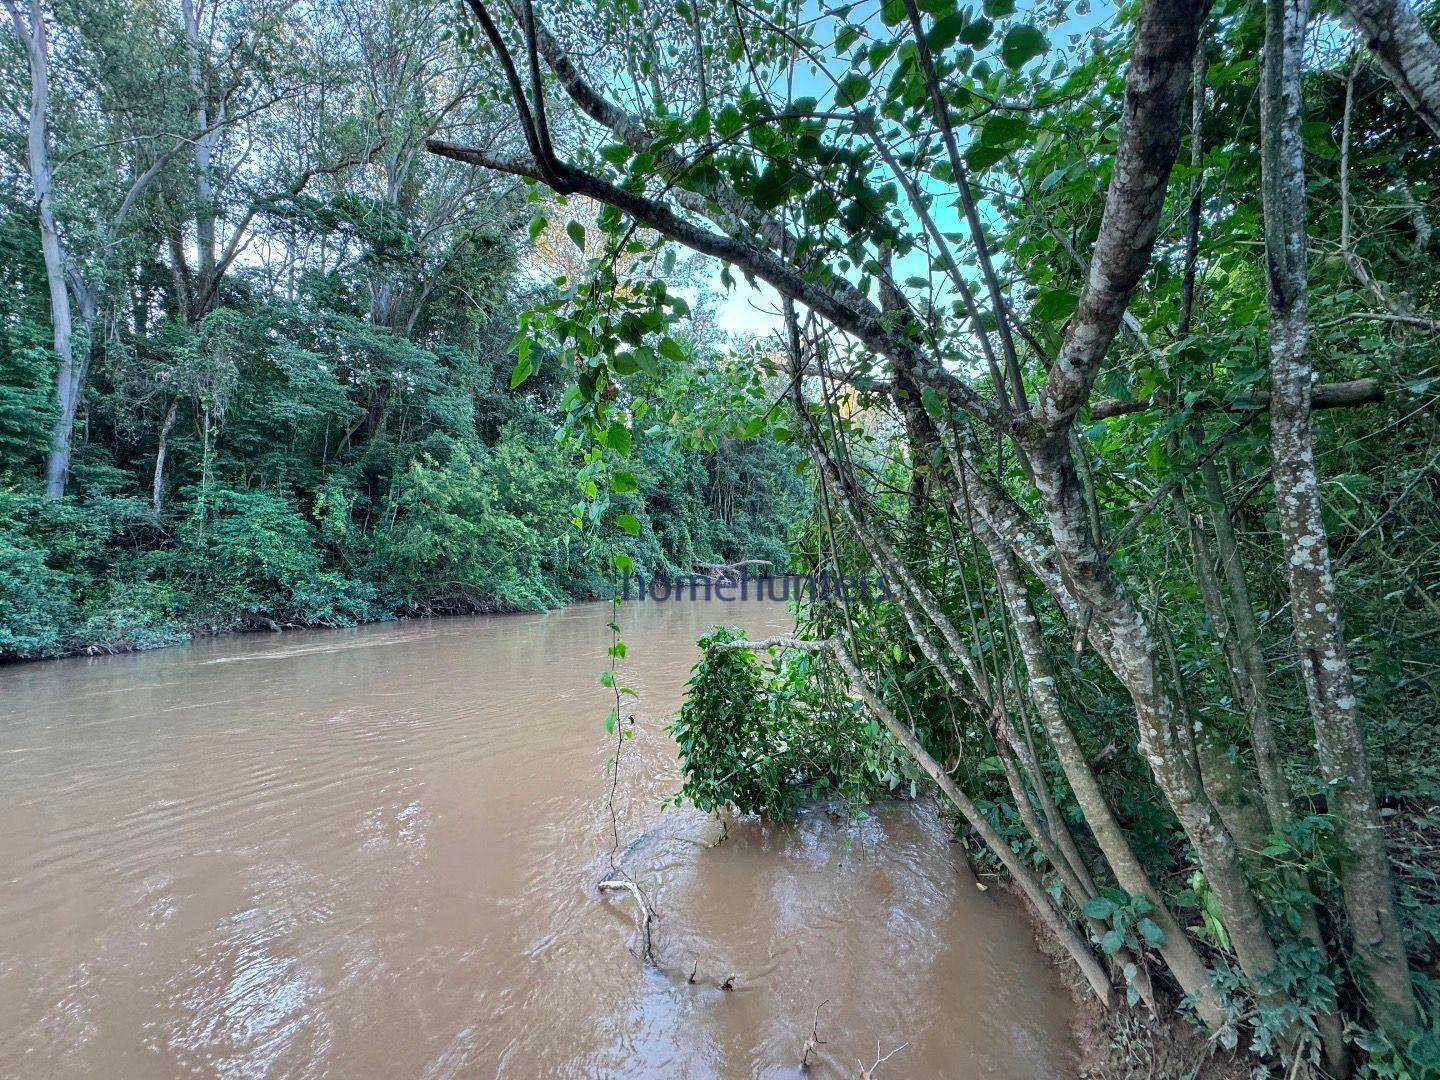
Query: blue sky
754	309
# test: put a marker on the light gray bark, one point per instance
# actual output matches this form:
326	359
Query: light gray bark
1176	949
66	285
1379	947
1404	50
157	487
205	145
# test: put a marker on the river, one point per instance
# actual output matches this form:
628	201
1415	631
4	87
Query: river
374	852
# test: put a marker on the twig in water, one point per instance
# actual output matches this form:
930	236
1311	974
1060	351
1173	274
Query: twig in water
634	890
869	1074
814	1040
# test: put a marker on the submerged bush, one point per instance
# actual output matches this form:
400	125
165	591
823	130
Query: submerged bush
760	739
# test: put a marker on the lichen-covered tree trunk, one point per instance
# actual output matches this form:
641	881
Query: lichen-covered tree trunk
1179	954
157	483
1133	656
1319	638
1406	52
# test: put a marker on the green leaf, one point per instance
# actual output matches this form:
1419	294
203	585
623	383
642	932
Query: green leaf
523	367
611	719
1098	908
852	89
629	522
1152	933
617	437
845	38
980	157
946	31
623	482
1022	44
1052	305
820	207
773	187
1005	130
537	225
977	33
576	232
616	154
672	350
729	121
1112	942
998	9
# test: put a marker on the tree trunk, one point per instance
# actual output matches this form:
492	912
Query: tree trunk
1179	954
60	278
205	145
1324	660
1133	656
1406	52
157	492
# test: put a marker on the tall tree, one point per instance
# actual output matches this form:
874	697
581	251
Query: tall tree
74	305
1319	636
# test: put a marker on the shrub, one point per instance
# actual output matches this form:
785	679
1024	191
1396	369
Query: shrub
35	604
453	546
251	557
766	741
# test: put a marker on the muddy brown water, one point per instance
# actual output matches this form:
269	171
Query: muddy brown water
373	853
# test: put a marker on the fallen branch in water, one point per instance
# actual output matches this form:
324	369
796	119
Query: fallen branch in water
869	1074
634	890
814	1040
727	571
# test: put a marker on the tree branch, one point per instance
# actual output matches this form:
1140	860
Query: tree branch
1341	395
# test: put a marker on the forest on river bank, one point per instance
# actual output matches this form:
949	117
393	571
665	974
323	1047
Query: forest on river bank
274	385
1107	336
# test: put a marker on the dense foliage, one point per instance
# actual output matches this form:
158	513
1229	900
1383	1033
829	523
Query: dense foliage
1110	340
298	409
754	739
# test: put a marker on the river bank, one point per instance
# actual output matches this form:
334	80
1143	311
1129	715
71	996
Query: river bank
126	630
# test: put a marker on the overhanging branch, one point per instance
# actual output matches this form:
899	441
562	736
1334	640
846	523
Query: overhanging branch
1340	395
